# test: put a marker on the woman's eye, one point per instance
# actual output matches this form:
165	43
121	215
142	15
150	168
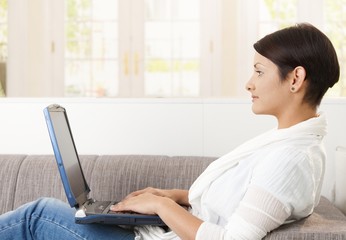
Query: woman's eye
259	73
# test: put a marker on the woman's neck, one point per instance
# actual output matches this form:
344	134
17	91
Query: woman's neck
296	115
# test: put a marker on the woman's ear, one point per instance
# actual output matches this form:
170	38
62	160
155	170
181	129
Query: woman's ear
298	78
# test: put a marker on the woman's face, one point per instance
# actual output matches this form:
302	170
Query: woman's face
269	94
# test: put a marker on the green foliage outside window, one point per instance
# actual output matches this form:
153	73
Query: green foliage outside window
335	19
3	44
3	30
77	28
282	12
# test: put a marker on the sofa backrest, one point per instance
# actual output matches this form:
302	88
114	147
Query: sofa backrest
26	178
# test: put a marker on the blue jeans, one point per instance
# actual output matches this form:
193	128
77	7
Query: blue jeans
49	218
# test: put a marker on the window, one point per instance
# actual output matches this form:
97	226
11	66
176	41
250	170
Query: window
335	23
172	49
159	53
275	15
149	48
281	13
3	45
91	48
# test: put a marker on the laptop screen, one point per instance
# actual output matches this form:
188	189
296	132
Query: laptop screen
64	148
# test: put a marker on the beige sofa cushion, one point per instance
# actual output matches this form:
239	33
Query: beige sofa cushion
38	177
326	222
116	176
9	168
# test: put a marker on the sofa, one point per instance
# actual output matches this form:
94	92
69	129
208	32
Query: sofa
27	177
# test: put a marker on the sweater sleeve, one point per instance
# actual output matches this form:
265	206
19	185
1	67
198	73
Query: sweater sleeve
259	212
292	176
281	186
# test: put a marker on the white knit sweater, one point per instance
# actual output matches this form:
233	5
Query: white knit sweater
269	180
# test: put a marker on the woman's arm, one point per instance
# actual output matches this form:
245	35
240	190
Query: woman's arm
259	212
183	223
179	196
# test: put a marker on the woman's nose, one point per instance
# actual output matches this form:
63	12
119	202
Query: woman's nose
249	85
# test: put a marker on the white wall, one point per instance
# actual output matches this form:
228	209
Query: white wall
153	126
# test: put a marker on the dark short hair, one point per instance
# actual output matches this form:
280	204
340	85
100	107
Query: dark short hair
303	45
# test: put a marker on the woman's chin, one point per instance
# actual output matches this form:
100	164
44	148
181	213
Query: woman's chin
256	110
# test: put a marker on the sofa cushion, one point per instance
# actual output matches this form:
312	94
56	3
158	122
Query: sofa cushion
326	222
39	177
116	176
10	165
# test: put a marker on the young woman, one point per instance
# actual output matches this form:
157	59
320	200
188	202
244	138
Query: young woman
270	180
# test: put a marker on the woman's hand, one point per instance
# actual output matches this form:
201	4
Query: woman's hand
154	191
145	202
164	204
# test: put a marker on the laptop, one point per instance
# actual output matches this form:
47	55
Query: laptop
75	185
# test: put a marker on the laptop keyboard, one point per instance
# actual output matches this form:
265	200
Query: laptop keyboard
124	212
100	207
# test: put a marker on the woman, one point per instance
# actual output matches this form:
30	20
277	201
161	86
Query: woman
270	180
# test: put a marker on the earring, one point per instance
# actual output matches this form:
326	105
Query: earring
293	89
